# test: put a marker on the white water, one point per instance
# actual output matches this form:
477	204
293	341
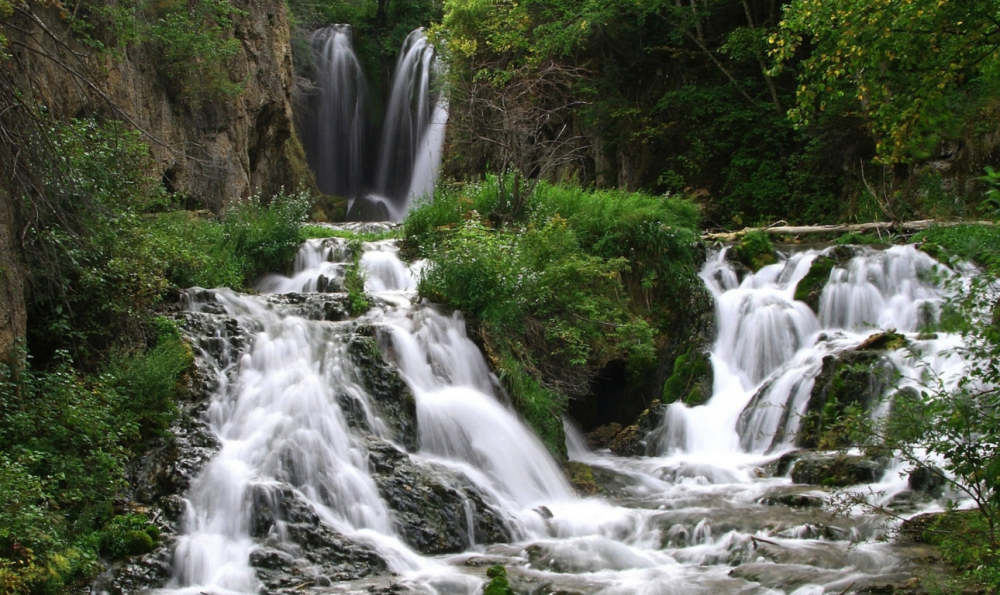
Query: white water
335	144
413	133
336	129
679	523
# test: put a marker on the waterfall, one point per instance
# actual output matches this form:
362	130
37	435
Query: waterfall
409	152
305	442
336	143
770	347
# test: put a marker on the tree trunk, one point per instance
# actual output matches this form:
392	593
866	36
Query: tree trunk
13	317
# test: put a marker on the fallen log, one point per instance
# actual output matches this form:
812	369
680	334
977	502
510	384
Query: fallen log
795	230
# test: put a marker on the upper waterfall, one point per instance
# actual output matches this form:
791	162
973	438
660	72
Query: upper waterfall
378	180
335	145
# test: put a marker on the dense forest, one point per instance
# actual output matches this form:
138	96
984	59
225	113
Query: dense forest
147	147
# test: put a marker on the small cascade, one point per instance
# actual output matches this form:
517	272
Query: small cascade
770	347
335	144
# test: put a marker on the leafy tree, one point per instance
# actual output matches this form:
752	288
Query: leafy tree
899	64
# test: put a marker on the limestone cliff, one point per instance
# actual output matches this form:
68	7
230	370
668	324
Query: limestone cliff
213	150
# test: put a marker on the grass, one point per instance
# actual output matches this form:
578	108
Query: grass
310	232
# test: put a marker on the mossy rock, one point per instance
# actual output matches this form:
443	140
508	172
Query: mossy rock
136	543
831	469
890	340
498	584
581	476
849	382
691	380
755	251
810	287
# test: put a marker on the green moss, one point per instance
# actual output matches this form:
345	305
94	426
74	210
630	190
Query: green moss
581	476
810	287
691	370
755	250
498	584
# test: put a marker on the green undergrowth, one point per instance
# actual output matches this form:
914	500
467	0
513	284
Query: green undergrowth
97	380
964	539
65	439
559	285
976	243
310	232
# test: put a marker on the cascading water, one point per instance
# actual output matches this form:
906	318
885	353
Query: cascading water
335	131
410	151
303	436
771	347
335	145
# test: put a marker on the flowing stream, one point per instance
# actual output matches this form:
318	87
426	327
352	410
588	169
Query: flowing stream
698	516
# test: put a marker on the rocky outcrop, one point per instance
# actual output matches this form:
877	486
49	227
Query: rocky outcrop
641	438
388	392
848	380
213	150
433	506
810	288
830	469
298	549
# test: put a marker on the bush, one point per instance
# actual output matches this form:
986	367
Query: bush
574	281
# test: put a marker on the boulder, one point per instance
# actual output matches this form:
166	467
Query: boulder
810	287
847	380
635	440
830	469
432	504
386	387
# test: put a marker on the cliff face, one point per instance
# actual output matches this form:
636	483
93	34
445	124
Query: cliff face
213	150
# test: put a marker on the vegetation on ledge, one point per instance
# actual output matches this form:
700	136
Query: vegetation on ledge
558	284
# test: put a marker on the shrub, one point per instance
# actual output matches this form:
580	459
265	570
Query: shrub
574	281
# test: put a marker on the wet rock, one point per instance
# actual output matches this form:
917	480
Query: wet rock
810	288
889	340
366	208
643	438
332	307
298	547
166	471
433	505
138	574
602	436
794	500
581	476
830	469
848	380
386	387
927	480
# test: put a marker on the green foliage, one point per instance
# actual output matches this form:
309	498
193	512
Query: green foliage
308	232
264	233
991	204
963	537
977	243
354	281
64	442
120	252
854	238
195	41
128	535
900	65
498	584
756	250
577	280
